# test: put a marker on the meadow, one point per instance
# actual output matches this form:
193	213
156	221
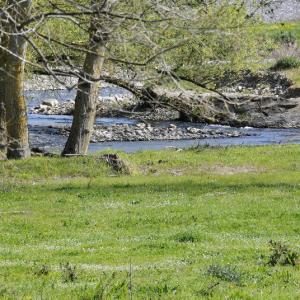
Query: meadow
190	224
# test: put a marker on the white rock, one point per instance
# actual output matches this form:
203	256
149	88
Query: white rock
172	126
50	102
193	130
141	125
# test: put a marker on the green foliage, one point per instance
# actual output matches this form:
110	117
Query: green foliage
42	270
289	62
285	37
111	286
281	254
186	237
68	272
226	273
200	40
281	33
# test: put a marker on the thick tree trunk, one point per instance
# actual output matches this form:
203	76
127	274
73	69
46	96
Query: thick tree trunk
3	131
3	128
16	112
87	93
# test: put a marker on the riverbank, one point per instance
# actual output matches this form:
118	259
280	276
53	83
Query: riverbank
260	100
182	225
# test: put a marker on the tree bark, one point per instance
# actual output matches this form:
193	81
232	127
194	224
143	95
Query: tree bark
88	90
3	129
3	133
16	111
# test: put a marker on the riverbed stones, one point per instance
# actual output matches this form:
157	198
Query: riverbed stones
148	132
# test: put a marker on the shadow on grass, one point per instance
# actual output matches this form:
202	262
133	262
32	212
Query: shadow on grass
179	186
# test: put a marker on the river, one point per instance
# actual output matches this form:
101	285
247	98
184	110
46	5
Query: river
41	136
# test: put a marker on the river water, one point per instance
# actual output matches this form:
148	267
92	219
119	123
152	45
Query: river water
42	136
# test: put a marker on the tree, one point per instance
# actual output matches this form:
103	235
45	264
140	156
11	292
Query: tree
156	43
3	129
170	43
88	86
13	62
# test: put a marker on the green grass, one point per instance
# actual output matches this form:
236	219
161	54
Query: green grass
275	30
186	225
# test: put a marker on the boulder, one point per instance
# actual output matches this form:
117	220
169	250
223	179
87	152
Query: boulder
50	102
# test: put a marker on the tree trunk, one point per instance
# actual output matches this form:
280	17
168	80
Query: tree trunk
3	128
88	91
3	133
16	111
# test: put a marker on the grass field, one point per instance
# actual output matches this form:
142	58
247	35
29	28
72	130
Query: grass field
185	225
281	34
277	30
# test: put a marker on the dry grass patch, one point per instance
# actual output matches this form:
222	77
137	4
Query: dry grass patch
231	170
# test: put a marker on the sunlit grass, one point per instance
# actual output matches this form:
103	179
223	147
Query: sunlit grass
155	233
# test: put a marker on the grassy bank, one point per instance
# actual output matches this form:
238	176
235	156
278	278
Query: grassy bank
185	225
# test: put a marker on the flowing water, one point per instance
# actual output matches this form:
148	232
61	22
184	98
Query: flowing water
42	136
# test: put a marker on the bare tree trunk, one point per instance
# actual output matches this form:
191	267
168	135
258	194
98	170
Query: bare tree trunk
88	91
16	111
3	133
3	128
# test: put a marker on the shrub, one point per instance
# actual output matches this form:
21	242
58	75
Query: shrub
288	62
111	286
285	37
281	254
225	273
186	237
68	272
42	270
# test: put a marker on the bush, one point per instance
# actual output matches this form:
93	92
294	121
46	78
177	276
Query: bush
288	62
68	272
186	237
281	255
225	273
285	37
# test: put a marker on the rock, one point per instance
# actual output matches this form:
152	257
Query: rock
141	125
193	130
116	163
172	126
50	102
292	92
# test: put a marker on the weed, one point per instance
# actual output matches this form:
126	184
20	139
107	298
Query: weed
208	291
281	255
111	287
160	289
225	273
199	147
116	163
288	62
42	270
186	237
285	37
68	272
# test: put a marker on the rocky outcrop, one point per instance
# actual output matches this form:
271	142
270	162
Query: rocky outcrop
233	109
246	110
